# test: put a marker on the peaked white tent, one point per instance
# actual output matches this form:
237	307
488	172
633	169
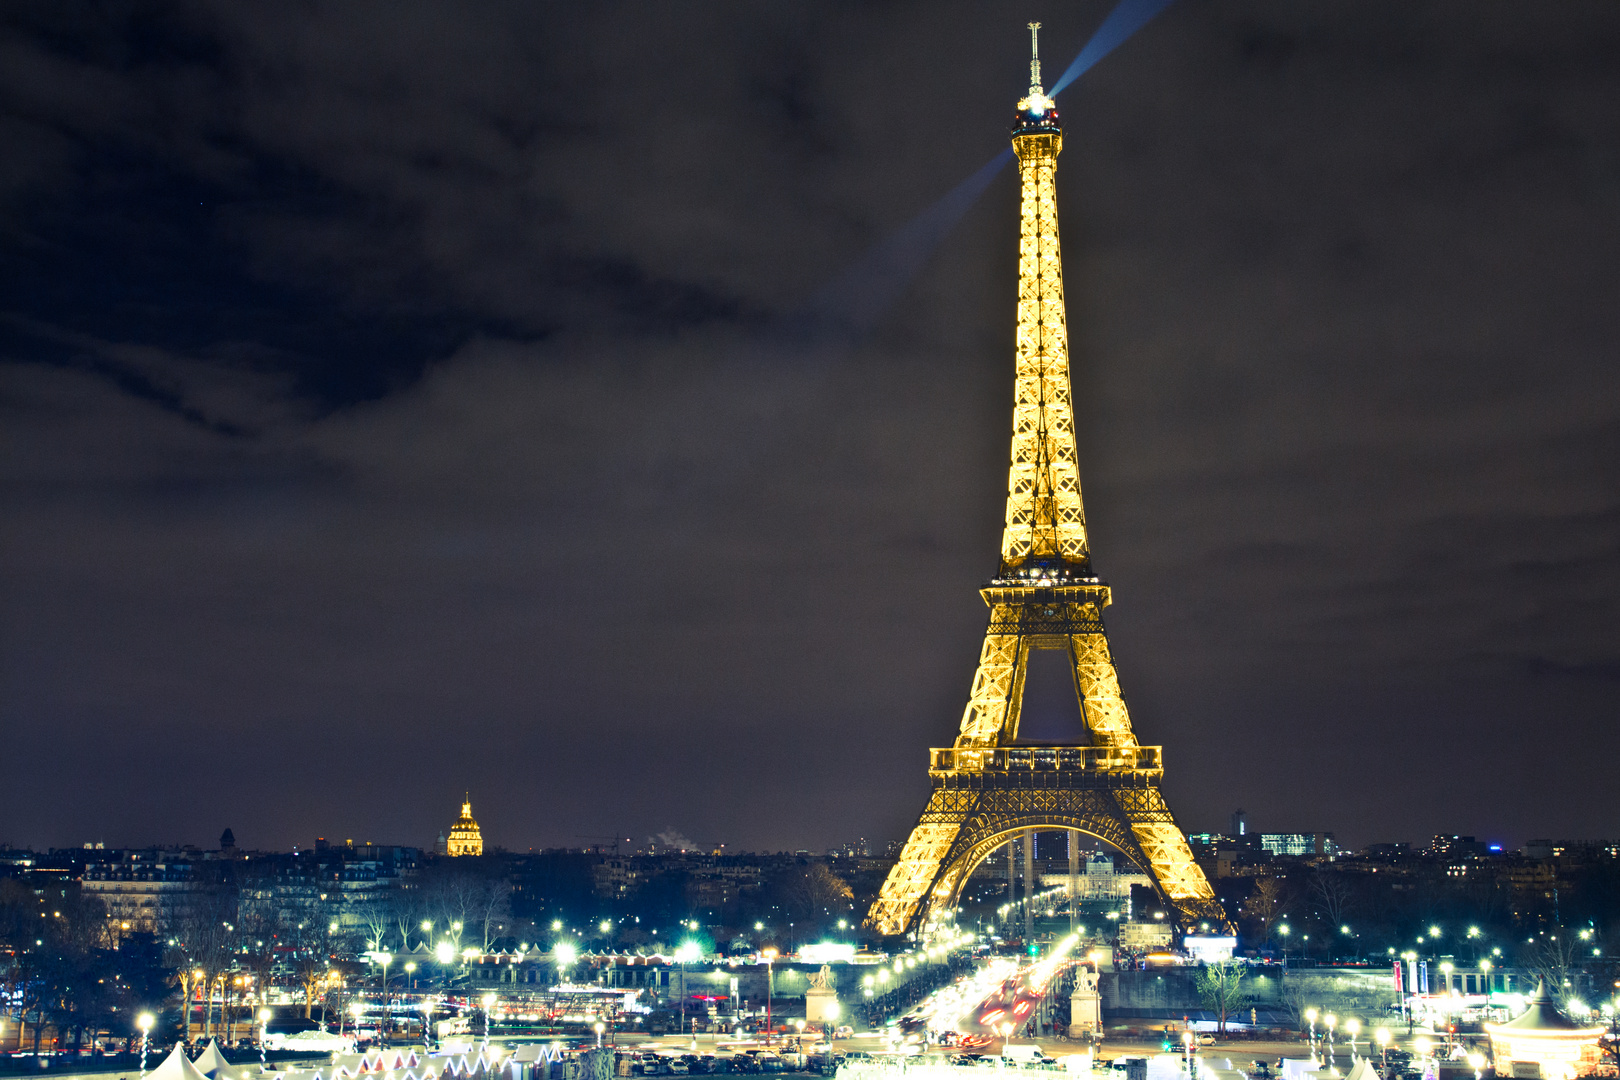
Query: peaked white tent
212	1064
176	1067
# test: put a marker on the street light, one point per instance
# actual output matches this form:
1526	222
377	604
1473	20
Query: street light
1381	1037
770	988
600	1027
1310	1015
562	955
1352	1027
383	959
264	1029
144	1022
489	1005
410	973
687	952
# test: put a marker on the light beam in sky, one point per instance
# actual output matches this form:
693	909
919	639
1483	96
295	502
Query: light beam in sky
1125	20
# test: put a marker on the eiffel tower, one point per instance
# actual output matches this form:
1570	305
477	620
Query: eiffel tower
989	788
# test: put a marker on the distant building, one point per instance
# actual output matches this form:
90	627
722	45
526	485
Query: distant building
1299	844
1099	879
148	891
465	839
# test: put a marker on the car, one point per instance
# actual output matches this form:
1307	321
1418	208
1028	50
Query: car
843	1032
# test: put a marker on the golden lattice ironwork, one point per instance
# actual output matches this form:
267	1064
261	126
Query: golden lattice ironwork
988	788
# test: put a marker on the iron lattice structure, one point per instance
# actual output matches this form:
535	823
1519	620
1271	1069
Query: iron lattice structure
988	788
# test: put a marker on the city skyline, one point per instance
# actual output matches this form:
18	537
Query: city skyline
605	413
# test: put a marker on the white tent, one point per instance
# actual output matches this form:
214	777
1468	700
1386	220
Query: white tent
212	1064
1363	1070
314	1042
176	1067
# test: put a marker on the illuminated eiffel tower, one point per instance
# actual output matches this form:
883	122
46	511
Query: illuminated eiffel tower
989	789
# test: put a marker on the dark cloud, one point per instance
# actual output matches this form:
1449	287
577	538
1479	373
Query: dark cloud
400	400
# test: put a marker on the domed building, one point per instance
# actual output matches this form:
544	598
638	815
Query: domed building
465	839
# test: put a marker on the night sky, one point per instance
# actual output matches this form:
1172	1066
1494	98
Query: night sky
402	399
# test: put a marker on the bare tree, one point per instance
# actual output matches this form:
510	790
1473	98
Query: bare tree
1220	986
1266	905
1333	897
1553	960
206	933
311	964
376	919
494	909
454	899
406	908
817	893
260	933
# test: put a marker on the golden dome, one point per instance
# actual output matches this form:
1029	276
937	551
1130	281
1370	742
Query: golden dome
465	839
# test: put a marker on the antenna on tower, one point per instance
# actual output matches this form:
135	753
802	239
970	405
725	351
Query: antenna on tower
1034	59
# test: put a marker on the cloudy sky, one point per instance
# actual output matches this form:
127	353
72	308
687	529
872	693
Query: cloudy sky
403	399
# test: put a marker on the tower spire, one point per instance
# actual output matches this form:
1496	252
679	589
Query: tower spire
1035	60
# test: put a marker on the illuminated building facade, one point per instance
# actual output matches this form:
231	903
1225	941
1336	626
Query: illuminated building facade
990	789
1542	1043
464	838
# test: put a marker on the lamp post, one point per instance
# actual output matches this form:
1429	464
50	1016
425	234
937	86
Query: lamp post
770	988
1381	1037
410	974
1187	1045
1331	1022
562	955
1310	1015
144	1022
488	1001
600	1027
357	1010
383	959
1352	1027
688	952
264	1028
